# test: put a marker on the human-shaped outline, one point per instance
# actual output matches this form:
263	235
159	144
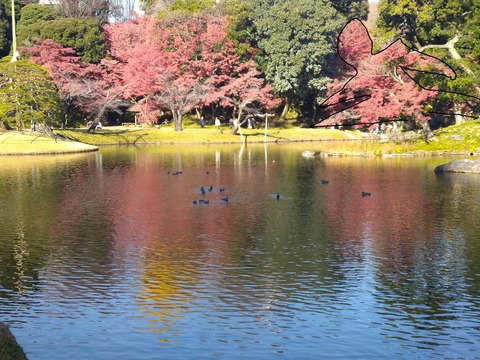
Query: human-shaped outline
352	102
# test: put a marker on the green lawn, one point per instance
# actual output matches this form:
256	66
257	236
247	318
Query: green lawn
463	138
27	143
209	134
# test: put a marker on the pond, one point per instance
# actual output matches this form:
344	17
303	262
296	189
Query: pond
106	255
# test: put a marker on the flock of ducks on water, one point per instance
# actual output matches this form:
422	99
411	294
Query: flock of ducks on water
210	189
226	199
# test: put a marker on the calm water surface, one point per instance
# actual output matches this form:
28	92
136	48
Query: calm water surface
105	256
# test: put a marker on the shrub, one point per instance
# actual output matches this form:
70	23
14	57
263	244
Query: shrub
27	94
83	35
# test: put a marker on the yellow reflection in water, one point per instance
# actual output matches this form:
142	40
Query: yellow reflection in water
164	298
19	163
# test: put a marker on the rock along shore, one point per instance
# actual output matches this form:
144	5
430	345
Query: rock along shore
9	348
460	166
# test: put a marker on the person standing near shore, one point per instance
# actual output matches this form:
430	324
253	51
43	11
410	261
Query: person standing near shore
217	123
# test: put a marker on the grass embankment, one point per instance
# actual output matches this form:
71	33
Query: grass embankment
457	138
27	143
462	139
197	135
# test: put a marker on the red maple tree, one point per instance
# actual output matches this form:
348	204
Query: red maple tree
158	66
378	87
87	88
182	65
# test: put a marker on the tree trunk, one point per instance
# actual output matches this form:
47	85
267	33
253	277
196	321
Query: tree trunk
239	115
427	131
314	107
100	114
213	107
458	114
177	119
237	123
286	107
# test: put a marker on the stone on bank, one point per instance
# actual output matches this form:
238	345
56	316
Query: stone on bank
9	348
460	166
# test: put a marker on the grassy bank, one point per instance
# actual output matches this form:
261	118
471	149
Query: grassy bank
27	143
196	135
458	139
462	139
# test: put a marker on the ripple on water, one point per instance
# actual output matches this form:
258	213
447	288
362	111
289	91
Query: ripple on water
322	273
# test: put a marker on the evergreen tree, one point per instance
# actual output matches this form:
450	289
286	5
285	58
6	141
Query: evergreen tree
32	13
295	39
448	29
5	32
27	94
85	36
423	22
240	28
352	8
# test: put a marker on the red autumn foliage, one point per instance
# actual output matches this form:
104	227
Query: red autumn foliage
378	87
88	88
158	66
180	66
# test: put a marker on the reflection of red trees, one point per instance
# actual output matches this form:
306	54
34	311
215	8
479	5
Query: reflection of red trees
149	219
358	219
404	247
142	205
177	240
410	258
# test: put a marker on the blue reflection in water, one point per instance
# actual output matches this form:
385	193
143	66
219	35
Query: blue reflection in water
106	257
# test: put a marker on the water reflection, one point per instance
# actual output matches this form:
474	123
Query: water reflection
106	253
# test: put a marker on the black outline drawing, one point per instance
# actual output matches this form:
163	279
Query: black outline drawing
361	98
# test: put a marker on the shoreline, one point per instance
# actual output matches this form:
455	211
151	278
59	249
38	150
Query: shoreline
14	143
337	142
